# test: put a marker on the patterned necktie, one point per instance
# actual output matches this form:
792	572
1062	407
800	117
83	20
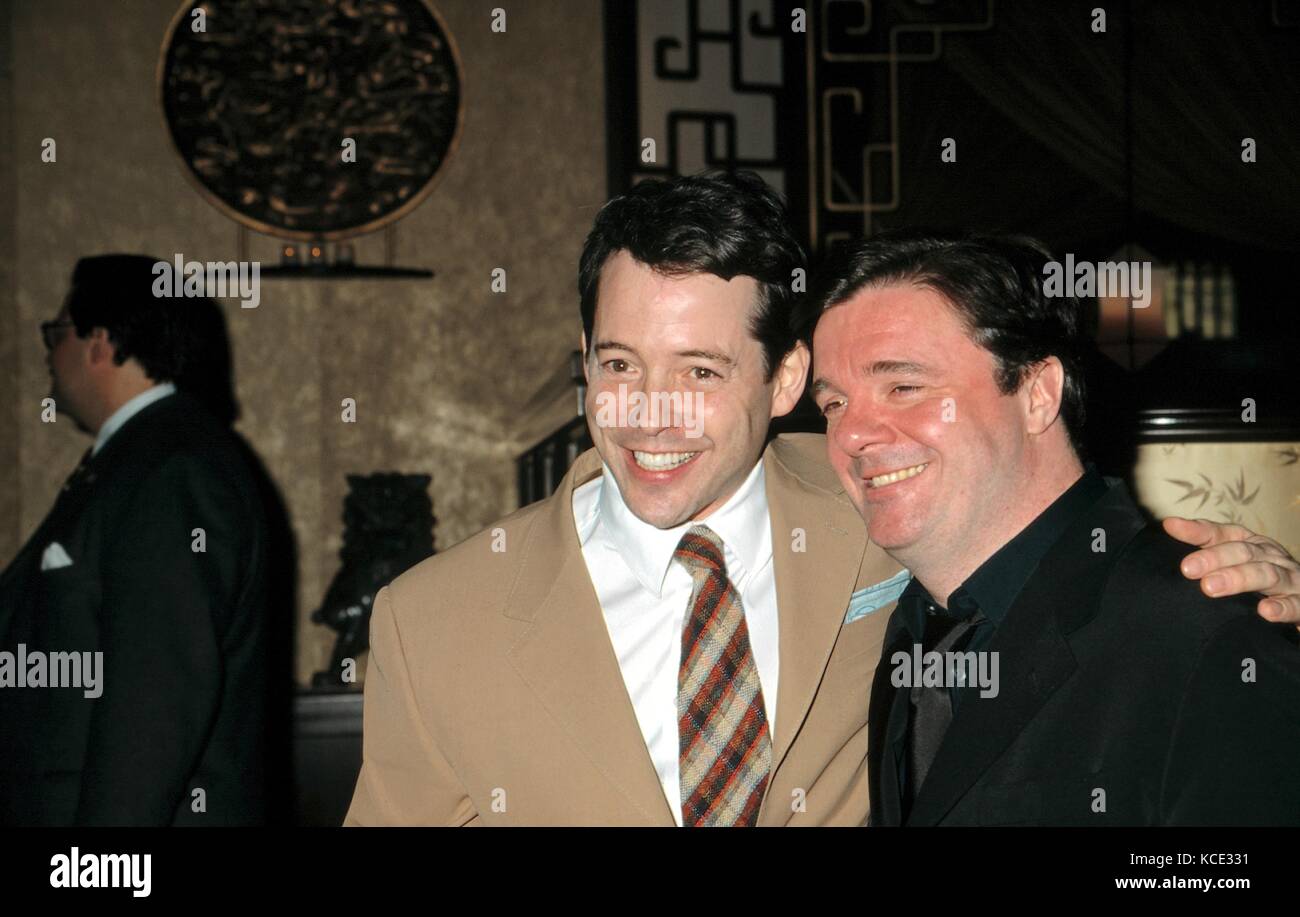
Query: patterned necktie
725	746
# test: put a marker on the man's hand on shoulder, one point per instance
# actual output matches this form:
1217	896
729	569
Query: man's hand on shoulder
1233	560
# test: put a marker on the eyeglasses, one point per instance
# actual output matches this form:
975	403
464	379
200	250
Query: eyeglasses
48	334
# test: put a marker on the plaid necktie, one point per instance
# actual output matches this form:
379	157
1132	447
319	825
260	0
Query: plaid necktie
725	745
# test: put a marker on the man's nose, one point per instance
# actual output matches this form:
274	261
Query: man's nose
860	427
657	408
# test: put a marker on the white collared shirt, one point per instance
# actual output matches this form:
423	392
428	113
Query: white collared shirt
644	595
129	410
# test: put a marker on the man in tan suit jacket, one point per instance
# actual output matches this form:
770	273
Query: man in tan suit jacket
493	696
496	692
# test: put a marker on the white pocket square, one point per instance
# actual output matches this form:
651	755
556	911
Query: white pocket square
55	557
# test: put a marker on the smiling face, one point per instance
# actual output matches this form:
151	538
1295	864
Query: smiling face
687	337
929	449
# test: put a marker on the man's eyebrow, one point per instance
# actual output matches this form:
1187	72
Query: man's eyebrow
878	368
903	367
708	355
614	345
699	354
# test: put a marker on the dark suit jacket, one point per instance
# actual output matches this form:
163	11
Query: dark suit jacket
183	636
1118	677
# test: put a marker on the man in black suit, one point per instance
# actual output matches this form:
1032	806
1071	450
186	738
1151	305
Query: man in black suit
1046	664
152	566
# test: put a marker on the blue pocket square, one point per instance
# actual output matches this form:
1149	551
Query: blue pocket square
865	601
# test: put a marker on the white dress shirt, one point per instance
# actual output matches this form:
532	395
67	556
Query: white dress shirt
129	410
644	595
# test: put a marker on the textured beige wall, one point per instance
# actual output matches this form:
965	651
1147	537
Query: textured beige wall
437	367
1252	484
11	529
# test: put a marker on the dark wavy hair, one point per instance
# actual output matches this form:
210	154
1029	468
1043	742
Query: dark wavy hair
994	282
725	224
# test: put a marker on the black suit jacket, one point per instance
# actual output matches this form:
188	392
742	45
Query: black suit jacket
1121	700
183	636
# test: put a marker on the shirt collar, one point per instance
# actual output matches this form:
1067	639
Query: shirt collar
129	410
742	523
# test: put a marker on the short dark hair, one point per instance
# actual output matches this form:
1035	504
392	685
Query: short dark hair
994	282
725	224
115	292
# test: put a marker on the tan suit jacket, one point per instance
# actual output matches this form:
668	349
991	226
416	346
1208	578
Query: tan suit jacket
493	695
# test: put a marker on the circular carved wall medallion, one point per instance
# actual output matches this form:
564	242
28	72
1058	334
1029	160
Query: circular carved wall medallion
262	96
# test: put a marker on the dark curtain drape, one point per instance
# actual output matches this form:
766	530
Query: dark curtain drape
1198	76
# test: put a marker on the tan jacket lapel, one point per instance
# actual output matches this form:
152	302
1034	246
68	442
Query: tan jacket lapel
566	658
813	585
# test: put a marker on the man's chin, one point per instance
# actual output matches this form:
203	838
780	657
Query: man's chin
61	410
658	516
889	534
661	513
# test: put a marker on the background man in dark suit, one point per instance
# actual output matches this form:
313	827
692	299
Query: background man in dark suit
155	556
1080	679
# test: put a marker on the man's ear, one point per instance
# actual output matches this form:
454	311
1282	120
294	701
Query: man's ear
1043	392
582	343
790	378
101	348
